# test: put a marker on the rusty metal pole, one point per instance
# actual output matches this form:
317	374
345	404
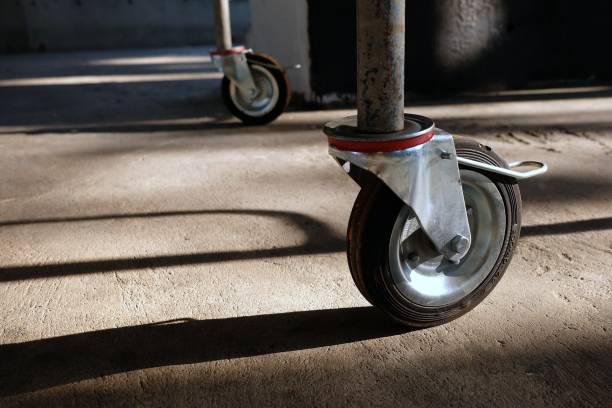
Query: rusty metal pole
223	25
381	26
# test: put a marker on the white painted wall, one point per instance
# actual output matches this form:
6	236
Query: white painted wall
280	28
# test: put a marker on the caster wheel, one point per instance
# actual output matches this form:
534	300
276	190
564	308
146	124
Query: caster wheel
395	265
272	99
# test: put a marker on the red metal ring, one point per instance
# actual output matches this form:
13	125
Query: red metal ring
231	51
386	146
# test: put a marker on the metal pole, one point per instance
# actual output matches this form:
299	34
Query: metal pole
381	26
223	25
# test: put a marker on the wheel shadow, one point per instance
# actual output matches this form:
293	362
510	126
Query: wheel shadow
45	363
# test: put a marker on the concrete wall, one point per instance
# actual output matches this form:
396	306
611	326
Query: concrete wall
49	25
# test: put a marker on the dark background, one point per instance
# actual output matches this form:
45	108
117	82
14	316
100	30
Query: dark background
477	44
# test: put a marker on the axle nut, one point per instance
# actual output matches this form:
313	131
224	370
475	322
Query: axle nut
460	244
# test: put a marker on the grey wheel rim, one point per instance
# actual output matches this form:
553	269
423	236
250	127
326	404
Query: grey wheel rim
422	275
267	94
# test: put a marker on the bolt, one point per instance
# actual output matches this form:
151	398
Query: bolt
446	155
460	244
414	257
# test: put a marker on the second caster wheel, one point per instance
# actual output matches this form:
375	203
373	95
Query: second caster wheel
397	268
272	97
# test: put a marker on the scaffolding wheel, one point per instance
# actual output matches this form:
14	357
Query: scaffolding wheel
395	265
273	92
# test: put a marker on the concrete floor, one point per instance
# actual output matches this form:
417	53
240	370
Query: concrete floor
154	252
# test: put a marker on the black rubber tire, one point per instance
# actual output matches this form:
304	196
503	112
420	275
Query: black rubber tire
374	214
279	74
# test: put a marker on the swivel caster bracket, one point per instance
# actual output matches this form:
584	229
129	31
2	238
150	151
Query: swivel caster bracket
420	166
234	65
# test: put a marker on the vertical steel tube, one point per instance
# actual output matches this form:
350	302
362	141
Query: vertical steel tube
381	26
223	25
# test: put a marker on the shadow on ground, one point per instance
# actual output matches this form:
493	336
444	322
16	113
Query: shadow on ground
570	227
218	126
108	88
474	126
113	107
577	374
320	239
49	362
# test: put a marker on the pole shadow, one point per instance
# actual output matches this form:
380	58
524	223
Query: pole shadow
320	239
572	227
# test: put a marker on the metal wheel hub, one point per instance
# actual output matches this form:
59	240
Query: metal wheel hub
424	276
264	100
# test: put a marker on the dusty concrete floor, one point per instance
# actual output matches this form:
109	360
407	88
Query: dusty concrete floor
154	252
